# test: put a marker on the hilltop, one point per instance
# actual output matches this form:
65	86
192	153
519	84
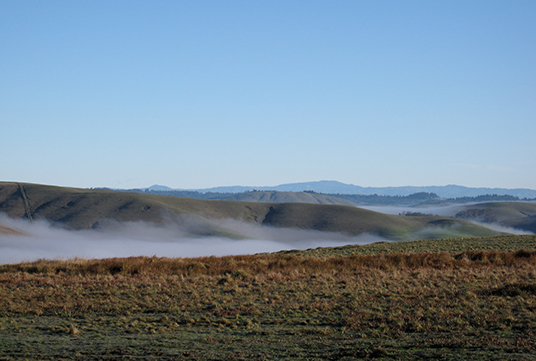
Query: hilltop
253	196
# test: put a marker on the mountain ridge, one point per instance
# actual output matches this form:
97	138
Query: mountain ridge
332	187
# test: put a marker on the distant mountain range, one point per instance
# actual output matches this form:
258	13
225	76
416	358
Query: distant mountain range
334	187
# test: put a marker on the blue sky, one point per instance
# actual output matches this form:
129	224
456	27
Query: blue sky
195	94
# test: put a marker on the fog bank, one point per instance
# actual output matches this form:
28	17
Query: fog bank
41	240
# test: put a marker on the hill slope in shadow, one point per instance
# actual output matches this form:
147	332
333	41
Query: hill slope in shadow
520	215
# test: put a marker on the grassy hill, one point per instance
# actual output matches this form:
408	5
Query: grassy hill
252	196
521	215
290	197
88	208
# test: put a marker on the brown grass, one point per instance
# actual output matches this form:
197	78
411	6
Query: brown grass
266	263
466	305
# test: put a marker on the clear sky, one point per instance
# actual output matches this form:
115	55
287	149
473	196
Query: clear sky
195	94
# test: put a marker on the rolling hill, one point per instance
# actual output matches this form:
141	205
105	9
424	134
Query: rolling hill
291	197
78	209
257	196
421	199
520	215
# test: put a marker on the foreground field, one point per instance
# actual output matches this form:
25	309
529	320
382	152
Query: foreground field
454	304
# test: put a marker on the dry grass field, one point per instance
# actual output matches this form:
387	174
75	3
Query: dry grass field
380	304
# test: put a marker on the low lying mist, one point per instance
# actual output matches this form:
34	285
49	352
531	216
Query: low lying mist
445	211
501	228
182	238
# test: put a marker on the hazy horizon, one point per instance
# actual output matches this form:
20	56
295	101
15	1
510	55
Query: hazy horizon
320	181
265	186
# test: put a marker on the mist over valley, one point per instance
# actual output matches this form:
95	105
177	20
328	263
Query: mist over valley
40	221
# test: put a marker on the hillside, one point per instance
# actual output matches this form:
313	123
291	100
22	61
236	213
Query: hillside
255	196
521	215
88	208
291	197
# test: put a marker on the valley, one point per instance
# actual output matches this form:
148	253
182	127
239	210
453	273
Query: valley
82	209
